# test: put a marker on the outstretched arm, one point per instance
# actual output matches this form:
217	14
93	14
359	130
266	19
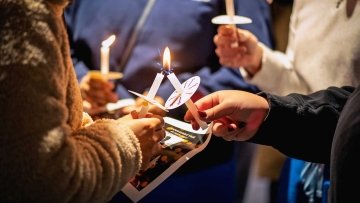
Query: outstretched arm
300	126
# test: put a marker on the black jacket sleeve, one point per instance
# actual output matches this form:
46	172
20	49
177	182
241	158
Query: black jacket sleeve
303	126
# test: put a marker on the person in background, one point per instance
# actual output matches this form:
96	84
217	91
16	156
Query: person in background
324	124
316	57
49	150
185	27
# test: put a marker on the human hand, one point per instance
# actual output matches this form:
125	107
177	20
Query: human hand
237	115
238	49
150	132
152	108
96	92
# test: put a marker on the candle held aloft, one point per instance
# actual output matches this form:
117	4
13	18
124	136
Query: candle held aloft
105	54
151	94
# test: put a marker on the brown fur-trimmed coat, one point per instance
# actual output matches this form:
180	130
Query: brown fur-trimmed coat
47	153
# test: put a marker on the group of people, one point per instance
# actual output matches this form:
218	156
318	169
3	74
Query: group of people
51	151
186	28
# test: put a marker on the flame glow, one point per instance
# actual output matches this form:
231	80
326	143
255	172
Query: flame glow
166	59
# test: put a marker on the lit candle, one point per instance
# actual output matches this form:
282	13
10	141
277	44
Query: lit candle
177	85
151	94
170	74
105	54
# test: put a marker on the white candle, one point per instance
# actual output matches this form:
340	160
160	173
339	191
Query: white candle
105	54
177	85
189	103
155	86
194	111
144	109
175	82
104	60
151	95
230	10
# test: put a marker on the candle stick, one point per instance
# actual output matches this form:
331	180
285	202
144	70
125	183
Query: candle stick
144	109
177	85
105	54
155	86
230	11
194	111
151	94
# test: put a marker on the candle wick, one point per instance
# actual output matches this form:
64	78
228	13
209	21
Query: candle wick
166	71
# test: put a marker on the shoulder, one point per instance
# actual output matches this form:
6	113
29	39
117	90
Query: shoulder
25	25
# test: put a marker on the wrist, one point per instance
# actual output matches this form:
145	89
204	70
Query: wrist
257	61
264	95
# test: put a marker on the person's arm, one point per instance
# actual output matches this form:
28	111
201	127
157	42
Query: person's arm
46	156
267	69
277	73
302	126
224	78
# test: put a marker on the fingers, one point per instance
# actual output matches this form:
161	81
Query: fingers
231	57
204	103
102	91
225	30
92	109
228	130
227	35
243	35
134	114
233	46
97	90
216	112
160	118
155	124
159	135
159	126
156	110
154	155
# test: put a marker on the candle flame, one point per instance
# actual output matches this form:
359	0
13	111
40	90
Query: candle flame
166	59
108	42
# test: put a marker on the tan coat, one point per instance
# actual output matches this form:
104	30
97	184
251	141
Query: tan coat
46	152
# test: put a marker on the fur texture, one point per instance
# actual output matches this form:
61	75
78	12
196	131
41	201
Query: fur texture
48	153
